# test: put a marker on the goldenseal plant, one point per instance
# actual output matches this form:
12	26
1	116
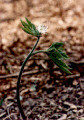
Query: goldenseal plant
55	52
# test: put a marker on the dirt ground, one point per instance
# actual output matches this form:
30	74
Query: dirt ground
46	92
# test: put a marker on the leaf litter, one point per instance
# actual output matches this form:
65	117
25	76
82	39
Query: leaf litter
47	93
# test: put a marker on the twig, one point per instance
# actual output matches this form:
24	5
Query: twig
24	74
7	19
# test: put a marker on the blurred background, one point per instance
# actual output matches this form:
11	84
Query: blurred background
46	92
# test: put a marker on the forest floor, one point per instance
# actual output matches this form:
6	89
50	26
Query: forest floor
46	92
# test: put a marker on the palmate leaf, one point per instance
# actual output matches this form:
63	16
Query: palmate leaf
30	28
64	55
27	31
25	25
59	49
57	45
60	64
31	25
56	53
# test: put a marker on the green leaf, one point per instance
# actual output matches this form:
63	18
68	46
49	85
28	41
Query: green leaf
27	31
58	61
57	54
30	28
57	45
64	55
25	25
65	70
29	23
60	64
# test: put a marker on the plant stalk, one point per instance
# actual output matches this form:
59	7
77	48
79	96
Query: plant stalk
19	79
39	51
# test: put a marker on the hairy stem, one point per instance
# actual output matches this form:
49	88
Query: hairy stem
19	78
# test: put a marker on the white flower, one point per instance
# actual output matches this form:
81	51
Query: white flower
42	28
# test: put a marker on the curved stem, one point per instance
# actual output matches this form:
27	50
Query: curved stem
19	78
39	51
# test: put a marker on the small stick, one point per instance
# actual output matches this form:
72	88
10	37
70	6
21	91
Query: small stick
24	74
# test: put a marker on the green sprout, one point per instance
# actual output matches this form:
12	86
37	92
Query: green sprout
55	52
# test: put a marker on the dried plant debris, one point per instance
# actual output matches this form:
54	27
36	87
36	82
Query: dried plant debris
46	93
